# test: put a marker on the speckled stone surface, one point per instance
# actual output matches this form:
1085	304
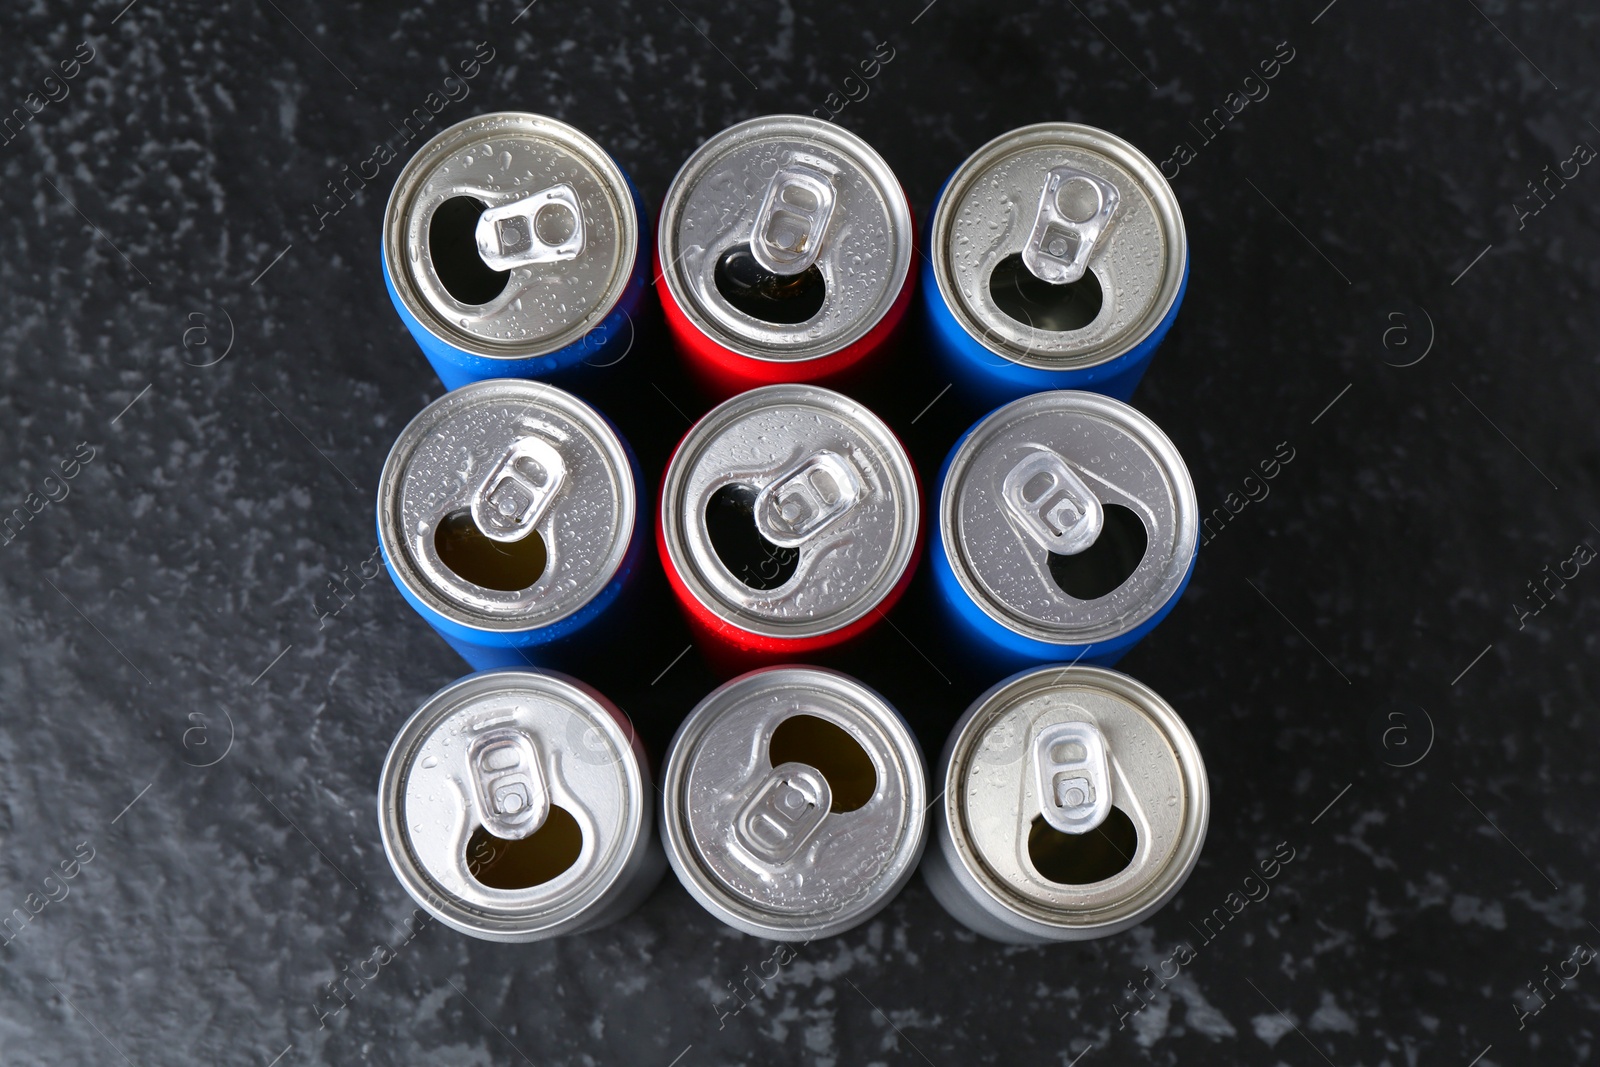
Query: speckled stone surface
195	328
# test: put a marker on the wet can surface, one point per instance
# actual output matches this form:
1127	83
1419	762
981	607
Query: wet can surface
1074	805
514	247
508	518
1057	259
1067	528
789	521
794	803
785	247
517	806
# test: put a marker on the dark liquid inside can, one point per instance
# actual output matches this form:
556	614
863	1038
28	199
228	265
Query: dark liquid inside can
759	293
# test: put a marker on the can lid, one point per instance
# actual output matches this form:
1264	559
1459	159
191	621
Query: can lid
506	505
768	821
510	235
1047	776
796	194
790	511
512	802
1069	517
1045	208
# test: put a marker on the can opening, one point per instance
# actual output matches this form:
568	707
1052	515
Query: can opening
786	300
829	748
1108	562
749	557
509	566
1079	859
544	854
453	247
1041	304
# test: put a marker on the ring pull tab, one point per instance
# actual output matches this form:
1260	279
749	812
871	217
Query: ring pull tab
543	227
1074	211
783	813
519	490
793	218
1052	503
508	783
1074	776
805	498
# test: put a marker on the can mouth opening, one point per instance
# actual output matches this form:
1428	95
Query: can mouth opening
737	541
1110	561
829	748
453	248
543	855
1081	859
785	300
1044	305
508	566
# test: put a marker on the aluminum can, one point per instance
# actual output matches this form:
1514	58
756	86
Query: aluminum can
789	522
1057	259
794	803
514	247
1067	528
785	247
508	518
1074	804
517	806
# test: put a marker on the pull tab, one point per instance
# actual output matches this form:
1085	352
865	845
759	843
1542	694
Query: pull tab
805	498
518	490
1074	211
544	227
508	783
783	813
1074	777
1052	503
793	219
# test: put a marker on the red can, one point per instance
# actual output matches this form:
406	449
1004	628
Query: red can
784	254
790	522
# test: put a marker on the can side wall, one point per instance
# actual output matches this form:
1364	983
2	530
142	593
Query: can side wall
956	895
722	372
732	650
456	367
1001	647
489	649
991	379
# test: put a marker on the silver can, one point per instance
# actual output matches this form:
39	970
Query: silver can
507	240
1074	805
794	803
790	516
793	198
1058	258
1068	527
508	516
516	806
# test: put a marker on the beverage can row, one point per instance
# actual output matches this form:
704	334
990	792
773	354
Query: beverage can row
785	252
1070	802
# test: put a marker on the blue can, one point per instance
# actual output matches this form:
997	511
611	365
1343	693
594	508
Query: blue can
1066	529
1057	259
515	247
508	516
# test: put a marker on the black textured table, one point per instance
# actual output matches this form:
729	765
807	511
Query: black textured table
1393	219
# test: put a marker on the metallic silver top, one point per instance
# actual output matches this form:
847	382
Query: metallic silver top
800	192
502	750
1068	199
757	844
560	218
1032	479
831	481
519	457
1056	743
